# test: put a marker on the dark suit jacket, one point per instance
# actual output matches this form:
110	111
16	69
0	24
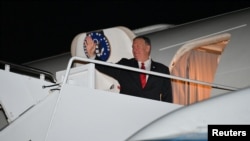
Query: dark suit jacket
130	84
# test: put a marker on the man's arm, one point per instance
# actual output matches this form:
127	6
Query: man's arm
90	48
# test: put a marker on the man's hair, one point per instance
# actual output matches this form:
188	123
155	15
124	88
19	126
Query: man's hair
146	39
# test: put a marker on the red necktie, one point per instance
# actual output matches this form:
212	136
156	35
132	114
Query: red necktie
143	76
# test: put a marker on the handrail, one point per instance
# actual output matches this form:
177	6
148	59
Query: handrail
29	71
143	71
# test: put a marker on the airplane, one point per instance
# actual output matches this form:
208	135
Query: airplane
64	98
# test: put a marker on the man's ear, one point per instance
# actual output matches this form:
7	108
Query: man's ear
148	48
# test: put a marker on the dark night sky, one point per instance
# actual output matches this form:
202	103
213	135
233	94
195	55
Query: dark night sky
37	29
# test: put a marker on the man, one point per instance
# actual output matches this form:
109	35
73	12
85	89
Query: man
156	88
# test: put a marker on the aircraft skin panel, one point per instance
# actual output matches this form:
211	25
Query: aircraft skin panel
196	117
34	124
90	114
179	35
234	62
9	97
24	92
85	111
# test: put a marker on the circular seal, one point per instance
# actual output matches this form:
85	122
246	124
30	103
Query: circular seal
102	49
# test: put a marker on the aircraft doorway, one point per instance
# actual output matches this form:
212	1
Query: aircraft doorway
196	60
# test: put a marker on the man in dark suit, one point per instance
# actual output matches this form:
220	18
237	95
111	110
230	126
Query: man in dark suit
156	88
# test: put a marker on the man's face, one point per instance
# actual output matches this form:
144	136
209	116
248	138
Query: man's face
140	50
